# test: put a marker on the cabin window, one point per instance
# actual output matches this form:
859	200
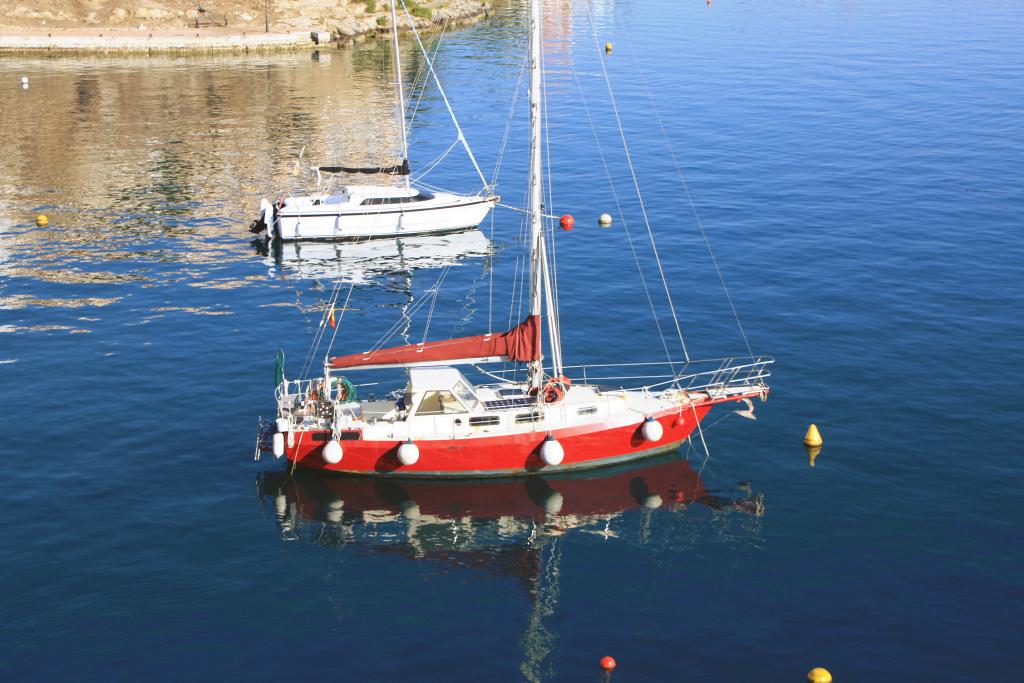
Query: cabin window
484	421
380	201
439	403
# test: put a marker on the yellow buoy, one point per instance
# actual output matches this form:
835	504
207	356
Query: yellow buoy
812	453
812	437
608	47
42	220
819	675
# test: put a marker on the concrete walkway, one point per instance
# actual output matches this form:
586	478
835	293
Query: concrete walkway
202	40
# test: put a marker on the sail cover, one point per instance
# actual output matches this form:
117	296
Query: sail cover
521	343
397	169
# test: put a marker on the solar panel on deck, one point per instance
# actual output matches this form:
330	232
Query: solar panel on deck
504	403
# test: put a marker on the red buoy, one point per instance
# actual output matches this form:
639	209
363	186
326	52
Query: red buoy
607	663
567	222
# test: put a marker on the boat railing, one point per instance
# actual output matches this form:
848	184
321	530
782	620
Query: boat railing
714	376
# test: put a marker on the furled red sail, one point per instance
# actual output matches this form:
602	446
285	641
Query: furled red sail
521	343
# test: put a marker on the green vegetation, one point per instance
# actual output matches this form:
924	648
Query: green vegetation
421	11
370	5
382	21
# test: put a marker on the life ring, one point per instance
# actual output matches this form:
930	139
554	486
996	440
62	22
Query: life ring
344	390
555	388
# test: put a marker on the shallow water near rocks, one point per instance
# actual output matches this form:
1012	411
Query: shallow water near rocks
858	170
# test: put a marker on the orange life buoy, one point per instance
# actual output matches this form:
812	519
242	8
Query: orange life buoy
555	388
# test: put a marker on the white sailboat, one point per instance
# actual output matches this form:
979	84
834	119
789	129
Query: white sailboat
364	212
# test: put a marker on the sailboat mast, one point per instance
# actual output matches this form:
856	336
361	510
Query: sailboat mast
398	86
540	279
536	368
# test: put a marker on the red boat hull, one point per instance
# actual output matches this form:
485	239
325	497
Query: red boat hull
587	446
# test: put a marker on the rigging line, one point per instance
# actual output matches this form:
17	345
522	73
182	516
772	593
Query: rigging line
526	211
408	310
318	337
337	327
490	273
423	86
508	121
433	164
700	431
625	222
686	188
433	303
555	313
636	184
440	89
415	306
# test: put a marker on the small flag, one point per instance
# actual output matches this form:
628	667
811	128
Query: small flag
330	318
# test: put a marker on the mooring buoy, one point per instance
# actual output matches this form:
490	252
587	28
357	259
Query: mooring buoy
819	675
813	436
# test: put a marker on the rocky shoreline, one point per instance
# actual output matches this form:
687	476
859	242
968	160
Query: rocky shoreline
352	23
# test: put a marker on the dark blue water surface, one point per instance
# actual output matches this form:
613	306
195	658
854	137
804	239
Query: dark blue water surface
859	170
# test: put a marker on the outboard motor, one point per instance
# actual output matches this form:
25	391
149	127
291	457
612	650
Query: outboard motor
263	221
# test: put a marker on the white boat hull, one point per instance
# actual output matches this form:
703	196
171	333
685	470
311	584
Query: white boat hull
445	213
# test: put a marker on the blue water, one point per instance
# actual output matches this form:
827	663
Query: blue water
858	168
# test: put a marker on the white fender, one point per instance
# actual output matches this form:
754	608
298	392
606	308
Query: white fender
551	452
652	430
332	452
408	453
278	440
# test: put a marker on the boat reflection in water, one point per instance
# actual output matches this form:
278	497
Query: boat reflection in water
364	262
501	527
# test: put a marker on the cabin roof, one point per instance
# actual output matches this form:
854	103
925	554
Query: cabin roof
435	378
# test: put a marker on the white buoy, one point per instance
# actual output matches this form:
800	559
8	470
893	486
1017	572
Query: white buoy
652	430
551	452
605	219
332	452
281	424
408	453
24	80
278	445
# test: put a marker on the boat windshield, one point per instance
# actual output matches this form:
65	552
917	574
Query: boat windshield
439	403
466	395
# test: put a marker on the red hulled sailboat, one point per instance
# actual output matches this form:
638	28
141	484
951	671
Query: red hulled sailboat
557	418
